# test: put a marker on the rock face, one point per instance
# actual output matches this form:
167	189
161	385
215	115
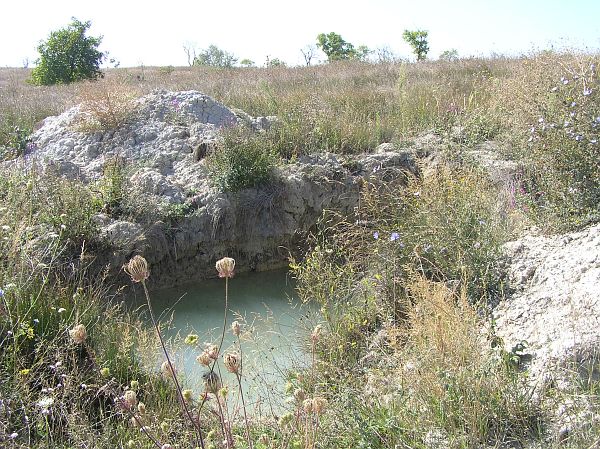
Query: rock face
555	309
163	145
555	305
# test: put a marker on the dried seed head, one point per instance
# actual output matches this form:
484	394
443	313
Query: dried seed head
78	334
142	408
212	351
307	405
166	370
319	404
299	395
137	268
316	333
236	328
166	446
204	359
130	399
225	267
212	383
233	362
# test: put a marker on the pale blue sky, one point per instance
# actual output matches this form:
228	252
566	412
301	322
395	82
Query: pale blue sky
153	33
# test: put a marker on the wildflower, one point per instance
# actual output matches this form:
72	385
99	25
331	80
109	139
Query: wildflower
105	372
564	81
204	359
134	384
554	89
191	339
232	362
224	391
35	320
578	138
307	405
78	334
1	293
587	92
225	267
141	408
130	399
594	141
318	404
573	104
187	395
236	328
137	268
394	236
83	386
541	120
62	310
13	435
166	446
44	404
376	235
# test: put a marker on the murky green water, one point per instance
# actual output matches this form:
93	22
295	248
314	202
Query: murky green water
275	327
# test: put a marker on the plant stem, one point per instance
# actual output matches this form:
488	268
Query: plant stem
239	379
172	369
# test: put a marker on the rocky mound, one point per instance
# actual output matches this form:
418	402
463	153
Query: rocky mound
164	143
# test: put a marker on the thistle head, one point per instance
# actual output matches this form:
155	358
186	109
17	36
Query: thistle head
225	267
137	268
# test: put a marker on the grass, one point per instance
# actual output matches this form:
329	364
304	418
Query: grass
403	285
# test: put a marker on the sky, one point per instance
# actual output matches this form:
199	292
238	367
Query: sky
154	33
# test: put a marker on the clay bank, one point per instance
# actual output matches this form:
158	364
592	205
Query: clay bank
161	148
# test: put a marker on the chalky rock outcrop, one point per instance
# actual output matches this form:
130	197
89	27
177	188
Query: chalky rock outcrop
164	144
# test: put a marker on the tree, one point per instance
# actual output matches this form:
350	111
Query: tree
308	53
418	41
449	55
68	55
247	62
215	57
335	47
275	62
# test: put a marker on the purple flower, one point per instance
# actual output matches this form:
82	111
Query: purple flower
578	138
394	236
573	104
376	235
594	141
587	92
564	80
1	293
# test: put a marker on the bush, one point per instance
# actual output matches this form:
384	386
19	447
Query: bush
68	55
243	159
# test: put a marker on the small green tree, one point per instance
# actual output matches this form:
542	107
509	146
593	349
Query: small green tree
418	41
213	56
68	55
247	62
335	47
449	55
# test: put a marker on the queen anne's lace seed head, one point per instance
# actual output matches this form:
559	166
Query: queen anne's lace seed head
137	268
225	267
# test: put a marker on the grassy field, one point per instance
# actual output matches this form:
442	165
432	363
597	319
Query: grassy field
421	263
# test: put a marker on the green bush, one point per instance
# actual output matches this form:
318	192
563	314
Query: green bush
68	55
242	160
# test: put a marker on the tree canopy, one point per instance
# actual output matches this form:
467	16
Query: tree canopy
418	41
68	55
336	48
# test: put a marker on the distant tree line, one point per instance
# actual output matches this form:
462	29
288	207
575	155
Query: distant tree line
69	55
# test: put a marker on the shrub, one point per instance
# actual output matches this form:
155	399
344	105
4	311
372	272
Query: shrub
241	160
68	55
105	106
